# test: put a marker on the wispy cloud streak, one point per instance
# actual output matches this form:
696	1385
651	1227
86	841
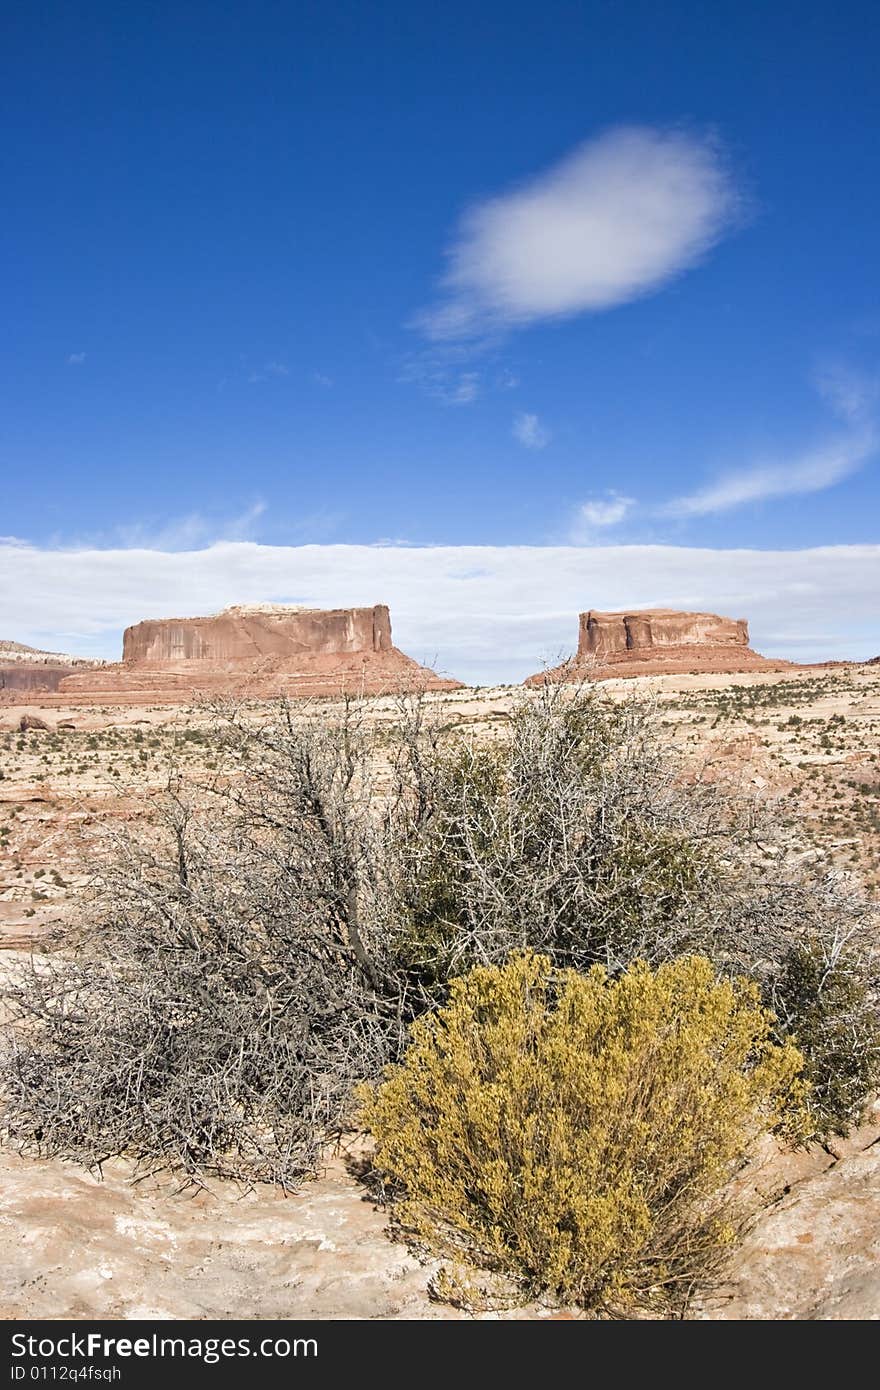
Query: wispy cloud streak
815	471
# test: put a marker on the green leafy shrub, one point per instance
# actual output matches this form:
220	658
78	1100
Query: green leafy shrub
823	998
570	834
574	1133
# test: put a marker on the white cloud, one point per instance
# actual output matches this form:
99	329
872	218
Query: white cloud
607	511
813	472
464	390
617	218
852	394
194	529
76	359
485	613
321	379
268	369
530	432
443	374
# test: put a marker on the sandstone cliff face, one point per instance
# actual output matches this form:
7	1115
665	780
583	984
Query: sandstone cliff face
30	670
259	651
22	677
627	634
656	641
244	634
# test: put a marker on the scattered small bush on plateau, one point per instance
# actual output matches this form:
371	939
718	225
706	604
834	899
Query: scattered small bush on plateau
571	835
574	1133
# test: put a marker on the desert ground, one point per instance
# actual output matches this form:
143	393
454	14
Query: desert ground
808	739
86	1245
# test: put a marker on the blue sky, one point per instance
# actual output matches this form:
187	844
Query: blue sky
571	277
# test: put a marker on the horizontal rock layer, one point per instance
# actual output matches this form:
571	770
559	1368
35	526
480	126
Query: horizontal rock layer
28	669
22	676
626	635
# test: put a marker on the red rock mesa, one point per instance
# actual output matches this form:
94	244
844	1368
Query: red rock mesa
257	651
657	641
30	671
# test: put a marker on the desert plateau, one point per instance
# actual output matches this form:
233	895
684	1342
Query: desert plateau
83	761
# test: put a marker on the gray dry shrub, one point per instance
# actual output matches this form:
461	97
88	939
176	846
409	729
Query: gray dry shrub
576	835
264	944
229	992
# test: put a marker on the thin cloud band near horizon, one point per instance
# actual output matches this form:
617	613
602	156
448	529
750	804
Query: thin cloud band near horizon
486	614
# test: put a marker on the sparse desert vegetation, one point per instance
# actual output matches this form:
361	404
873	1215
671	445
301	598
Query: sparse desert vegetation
807	744
290	889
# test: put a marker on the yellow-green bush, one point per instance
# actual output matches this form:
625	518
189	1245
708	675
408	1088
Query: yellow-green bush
573	1132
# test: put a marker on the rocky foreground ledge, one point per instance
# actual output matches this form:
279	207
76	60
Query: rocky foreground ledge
73	1246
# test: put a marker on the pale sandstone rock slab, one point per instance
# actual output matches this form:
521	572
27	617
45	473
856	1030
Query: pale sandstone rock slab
815	1254
73	1246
